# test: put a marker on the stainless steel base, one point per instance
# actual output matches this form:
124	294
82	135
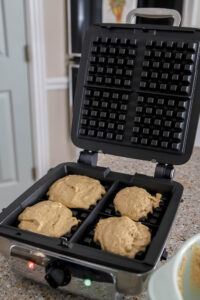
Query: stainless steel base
122	283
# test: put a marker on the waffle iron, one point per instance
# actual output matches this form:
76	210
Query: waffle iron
137	96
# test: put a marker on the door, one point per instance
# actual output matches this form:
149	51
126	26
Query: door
16	159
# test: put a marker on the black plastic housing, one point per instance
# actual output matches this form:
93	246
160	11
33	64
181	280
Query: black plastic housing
80	240
137	92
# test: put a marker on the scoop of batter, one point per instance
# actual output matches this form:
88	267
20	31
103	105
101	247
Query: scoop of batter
122	236
76	191
49	218
135	202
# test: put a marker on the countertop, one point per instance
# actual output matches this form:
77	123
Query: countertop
187	223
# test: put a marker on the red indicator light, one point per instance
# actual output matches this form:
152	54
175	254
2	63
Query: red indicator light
31	265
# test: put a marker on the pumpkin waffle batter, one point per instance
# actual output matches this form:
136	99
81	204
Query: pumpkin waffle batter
135	202
76	191
122	236
49	218
195	267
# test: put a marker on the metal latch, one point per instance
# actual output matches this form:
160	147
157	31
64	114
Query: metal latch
88	157
164	255
164	171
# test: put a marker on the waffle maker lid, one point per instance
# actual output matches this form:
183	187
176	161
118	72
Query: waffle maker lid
137	92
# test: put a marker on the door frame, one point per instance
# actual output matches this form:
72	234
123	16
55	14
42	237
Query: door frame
34	22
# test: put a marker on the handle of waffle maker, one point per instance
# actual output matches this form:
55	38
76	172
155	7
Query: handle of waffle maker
154	13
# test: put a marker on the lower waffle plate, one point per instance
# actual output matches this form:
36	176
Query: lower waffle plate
79	242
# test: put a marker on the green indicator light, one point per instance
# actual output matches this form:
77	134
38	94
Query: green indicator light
87	282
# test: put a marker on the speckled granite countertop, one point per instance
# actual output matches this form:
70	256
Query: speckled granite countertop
187	223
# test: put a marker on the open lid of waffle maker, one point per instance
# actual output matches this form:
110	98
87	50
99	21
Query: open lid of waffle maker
137	92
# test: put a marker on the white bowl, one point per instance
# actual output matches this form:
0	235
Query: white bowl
163	284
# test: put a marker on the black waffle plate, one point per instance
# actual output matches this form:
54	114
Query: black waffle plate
79	242
137	92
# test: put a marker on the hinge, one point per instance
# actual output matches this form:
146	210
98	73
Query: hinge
34	173
27	53
88	157
164	171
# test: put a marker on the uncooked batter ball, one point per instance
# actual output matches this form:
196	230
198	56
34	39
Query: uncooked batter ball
122	236
76	191
48	218
135	202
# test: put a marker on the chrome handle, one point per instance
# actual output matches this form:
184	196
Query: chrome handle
154	13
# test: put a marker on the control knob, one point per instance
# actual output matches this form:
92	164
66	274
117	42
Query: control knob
57	273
